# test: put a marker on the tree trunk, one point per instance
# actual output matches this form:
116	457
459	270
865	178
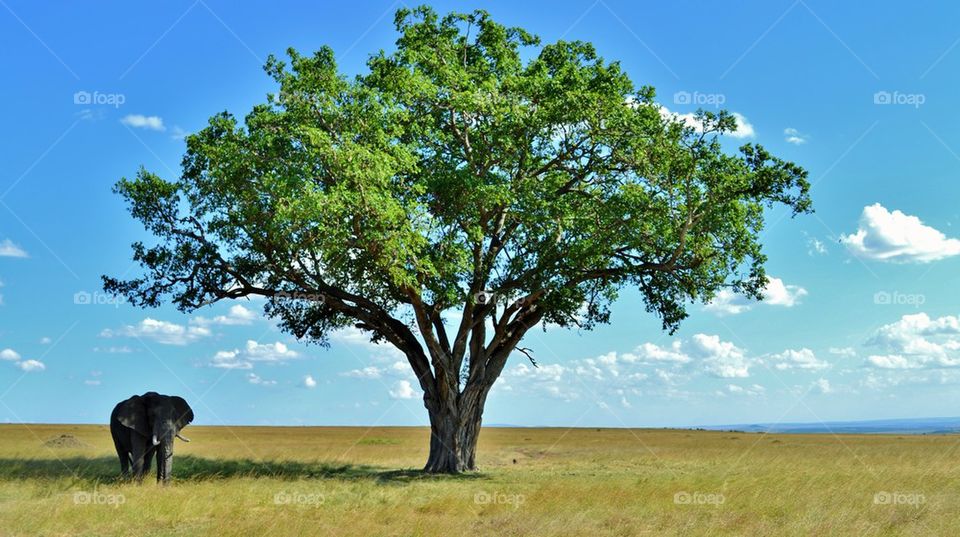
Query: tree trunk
454	430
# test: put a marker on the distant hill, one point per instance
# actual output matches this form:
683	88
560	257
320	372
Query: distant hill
888	426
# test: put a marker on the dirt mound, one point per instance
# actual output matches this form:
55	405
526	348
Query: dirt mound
65	441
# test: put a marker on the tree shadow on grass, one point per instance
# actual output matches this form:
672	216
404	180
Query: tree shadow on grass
193	468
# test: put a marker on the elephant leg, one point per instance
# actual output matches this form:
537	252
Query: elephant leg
148	460
138	454
124	461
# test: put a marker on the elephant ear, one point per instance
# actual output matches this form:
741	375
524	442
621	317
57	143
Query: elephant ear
183	412
132	413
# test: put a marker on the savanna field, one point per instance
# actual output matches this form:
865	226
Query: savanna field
61	480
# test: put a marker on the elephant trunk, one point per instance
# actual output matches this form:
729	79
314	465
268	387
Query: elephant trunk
166	467
163	436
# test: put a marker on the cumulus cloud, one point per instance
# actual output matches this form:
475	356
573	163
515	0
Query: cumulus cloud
917	341
236	316
253	352
896	237
775	293
793	136
162	332
845	352
269	352
230	360
140	121
309	382
31	365
822	385
10	355
369	372
402	389
9	249
798	359
719	358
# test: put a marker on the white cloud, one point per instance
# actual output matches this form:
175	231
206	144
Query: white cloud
917	341
754	390
798	359
793	136
9	249
139	121
354	336
816	247
720	358
253	352
402	389
846	352
230	360
253	378
122	349
92	382
309	382
163	332
896	237
45	341
369	372
822	385
269	352
744	128
236	316
9	354
891	361
31	365
775	293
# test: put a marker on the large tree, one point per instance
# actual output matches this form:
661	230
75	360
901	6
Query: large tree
469	186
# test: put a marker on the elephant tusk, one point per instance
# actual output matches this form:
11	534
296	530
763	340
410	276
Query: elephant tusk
156	442
185	439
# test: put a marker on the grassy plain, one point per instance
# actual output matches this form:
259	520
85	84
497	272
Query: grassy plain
540	482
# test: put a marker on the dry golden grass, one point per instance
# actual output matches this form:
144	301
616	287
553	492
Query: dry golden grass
543	482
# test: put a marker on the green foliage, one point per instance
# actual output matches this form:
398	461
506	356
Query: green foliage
451	167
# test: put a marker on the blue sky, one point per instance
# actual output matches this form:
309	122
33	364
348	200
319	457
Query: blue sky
860	321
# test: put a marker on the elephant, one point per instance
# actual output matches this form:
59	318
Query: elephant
144	426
